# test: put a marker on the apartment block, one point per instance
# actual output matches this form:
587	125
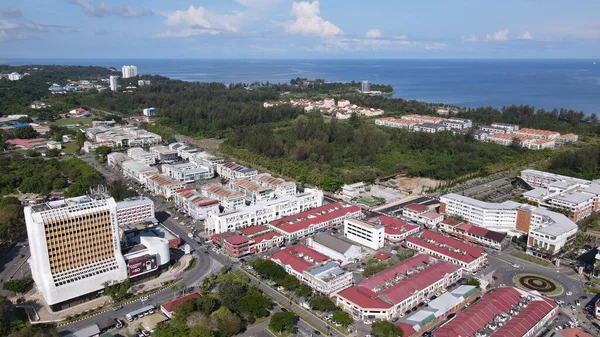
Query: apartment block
313	269
232	171
253	192
314	220
133	211
371	235
137	153
263	213
398	289
188	172
229	199
398	123
422	119
464	255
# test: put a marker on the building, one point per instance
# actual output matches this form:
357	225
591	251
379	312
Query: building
414	211
53	145
354	190
115	159
314	220
281	187
549	231
393	122
138	171
142	83
537	134
129	71
88	331
14	76
395	231
137	153
491	130
134	211
28	144
597	309
508	128
570	332
163	186
263	213
168	308
458	123
250	240
537	178
149	112
398	289
370	235
75	248
253	192
335	248
423	119
134	236
163	154
500	217
232	171
431	128
505	311
466	256
475	234
191	202
313	269
113	83
230	199
365	86
188	172
121	136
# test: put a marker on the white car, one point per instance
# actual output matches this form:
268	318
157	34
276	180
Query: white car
569	293
516	265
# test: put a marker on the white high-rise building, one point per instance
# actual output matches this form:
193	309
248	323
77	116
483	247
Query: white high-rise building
365	86
75	247
129	71
113	83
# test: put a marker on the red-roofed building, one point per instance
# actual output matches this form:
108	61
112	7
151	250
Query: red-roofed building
475	234
522	314
236	245
382	256
407	329
467	256
250	240
253	230
398	289
313	268
395	230
27	143
168	308
573	332
597	309
314	220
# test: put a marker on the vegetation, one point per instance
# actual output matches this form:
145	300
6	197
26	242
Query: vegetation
342	317
18	286
322	303
119	190
473	282
386	329
117	291
12	220
284	321
14	323
375	266
272	271
533	259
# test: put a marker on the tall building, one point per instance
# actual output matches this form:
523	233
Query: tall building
129	71
365	86
14	76
113	83
75	248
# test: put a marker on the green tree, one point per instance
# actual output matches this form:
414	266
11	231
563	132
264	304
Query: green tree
17	285
170	330
52	153
322	303
386	329
284	321
26	132
303	291
201	331
206	304
289	282
101	153
226	322
117	291
473	282
342	317
254	304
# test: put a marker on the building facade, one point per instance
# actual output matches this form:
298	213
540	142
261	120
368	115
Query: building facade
370	235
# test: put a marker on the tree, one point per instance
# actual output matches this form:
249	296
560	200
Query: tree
289	282
170	330
284	321
342	317
206	304
53	153
254	304
227	322
322	303
17	285
303	291
25	132
201	331
101	153
386	329
231	289
117	291
473	282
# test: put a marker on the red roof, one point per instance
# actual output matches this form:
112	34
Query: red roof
171	305
364	296
467	254
299	257
237	239
501	300
416	207
253	230
394	226
407	328
264	237
431	215
476	230
304	220
452	222
383	256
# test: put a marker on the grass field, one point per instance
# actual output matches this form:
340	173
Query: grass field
69	148
75	120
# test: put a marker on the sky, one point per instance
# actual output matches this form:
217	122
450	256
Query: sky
277	29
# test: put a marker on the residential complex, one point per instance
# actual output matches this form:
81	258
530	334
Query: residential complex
505	311
398	289
232	171
228	198
263	213
342	110
281	187
368	234
464	255
120	136
253	192
548	231
163	186
129	71
313	269
300	224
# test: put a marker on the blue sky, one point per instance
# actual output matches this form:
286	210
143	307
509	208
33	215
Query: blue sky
216	29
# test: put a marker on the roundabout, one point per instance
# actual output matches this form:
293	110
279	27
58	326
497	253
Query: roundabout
541	284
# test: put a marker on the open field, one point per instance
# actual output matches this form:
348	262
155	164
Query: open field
75	120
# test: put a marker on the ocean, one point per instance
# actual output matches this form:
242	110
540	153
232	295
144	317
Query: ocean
549	84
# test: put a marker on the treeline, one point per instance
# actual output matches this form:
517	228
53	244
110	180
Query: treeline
581	163
330	154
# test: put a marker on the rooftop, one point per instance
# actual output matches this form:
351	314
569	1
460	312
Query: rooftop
507	205
223	192
416	208
303	220
482	232
393	226
237	239
171	305
163	180
332	242
299	257
446	246
253	230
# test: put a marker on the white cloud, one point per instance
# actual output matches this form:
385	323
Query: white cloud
310	22
188	32
199	17
104	9
470	38
373	33
501	35
525	36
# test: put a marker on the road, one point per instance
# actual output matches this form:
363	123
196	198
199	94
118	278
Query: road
13	264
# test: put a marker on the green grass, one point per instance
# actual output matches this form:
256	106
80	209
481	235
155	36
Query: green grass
70	148
559	289
74	120
533	259
191	265
591	290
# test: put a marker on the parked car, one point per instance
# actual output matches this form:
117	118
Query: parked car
118	307
569	293
516	265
